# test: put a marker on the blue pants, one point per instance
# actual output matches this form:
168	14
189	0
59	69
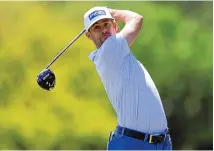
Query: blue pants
123	142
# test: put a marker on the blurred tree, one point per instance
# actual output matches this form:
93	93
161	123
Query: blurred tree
175	46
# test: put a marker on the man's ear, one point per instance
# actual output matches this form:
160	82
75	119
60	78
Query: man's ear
88	34
116	27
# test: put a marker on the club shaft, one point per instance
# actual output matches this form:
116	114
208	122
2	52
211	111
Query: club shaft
83	31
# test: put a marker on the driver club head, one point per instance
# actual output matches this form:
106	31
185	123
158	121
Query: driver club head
46	79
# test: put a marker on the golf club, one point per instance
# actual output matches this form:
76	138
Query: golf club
46	78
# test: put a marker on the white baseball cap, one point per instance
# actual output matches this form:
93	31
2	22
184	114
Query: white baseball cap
95	14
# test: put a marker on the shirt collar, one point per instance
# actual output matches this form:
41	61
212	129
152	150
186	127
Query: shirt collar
92	55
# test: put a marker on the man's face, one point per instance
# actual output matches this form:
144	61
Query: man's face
101	30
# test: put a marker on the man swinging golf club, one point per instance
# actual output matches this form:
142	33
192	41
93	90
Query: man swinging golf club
142	123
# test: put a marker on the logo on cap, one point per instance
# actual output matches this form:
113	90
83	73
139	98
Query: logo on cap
96	13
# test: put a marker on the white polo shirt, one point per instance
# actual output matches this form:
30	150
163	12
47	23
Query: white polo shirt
129	87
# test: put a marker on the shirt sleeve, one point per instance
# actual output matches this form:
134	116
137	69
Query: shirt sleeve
113	51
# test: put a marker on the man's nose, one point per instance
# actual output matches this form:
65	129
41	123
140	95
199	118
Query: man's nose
104	30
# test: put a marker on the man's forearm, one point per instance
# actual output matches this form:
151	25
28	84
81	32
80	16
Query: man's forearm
124	16
133	23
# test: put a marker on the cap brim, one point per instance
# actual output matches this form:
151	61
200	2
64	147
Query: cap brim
99	18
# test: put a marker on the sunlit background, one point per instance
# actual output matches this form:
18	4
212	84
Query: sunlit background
175	45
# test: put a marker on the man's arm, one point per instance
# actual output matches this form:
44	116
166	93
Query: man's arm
133	23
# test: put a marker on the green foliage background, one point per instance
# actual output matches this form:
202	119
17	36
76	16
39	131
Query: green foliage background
175	46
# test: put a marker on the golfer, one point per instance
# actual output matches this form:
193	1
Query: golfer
142	123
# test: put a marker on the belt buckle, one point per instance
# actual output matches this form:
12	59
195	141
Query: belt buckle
150	139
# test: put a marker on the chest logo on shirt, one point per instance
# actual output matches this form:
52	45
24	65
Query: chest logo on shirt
96	13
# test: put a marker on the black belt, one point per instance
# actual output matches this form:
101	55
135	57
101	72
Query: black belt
156	139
